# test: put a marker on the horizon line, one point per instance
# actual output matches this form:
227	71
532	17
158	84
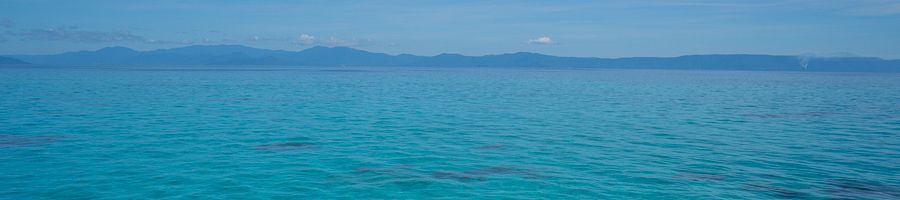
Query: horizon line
807	55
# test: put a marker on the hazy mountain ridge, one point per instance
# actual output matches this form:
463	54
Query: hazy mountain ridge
345	56
10	61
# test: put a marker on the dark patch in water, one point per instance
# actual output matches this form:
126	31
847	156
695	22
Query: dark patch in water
858	189
284	146
775	191
491	146
412	185
457	176
699	176
229	99
203	69
7	140
382	170
496	170
789	115
766	116
481	174
343	70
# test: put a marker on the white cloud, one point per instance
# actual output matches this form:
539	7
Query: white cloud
306	40
257	38
337	42
541	40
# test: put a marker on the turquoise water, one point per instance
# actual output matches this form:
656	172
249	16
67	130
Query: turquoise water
418	133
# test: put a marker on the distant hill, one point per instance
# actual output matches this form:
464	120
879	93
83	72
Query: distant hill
344	56
10	61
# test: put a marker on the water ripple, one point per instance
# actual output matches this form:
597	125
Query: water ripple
371	133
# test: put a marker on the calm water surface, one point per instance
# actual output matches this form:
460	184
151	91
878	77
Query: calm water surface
416	133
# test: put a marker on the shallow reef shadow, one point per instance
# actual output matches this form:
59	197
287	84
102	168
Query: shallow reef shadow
8	140
284	146
382	170
483	173
788	115
776	191
847	188
699	176
491	147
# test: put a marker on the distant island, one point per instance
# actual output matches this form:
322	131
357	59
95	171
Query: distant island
345	56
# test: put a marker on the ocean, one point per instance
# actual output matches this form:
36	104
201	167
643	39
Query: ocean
244	132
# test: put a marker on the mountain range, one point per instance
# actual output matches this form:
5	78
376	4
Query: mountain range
345	56
10	61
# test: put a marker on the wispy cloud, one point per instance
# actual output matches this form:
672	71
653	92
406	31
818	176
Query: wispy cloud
874	8
841	7
308	40
668	3
257	38
844	7
74	34
190	41
541	40
6	23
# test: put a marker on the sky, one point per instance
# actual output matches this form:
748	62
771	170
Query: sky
601	28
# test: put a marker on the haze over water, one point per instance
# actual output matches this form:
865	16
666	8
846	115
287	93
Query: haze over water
458	133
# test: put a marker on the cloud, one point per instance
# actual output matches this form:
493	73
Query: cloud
875	8
307	40
333	41
6	23
868	8
74	34
541	40
257	38
190	41
78	35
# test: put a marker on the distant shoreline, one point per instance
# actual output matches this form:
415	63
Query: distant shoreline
231	55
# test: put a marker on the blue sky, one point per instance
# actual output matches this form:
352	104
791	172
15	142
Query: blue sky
603	28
